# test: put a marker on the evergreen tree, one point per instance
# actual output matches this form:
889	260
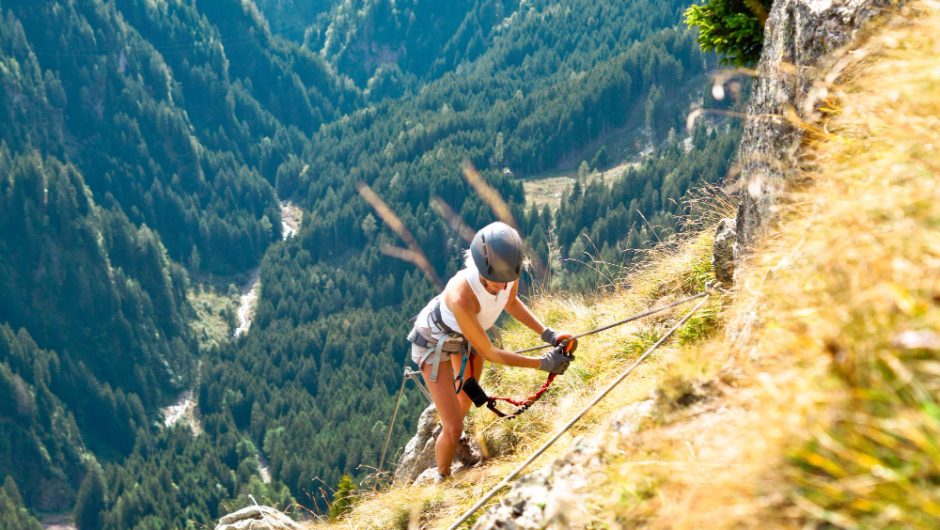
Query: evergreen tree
13	514
90	505
12	491
344	499
733	28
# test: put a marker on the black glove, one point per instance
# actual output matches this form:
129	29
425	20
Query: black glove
554	362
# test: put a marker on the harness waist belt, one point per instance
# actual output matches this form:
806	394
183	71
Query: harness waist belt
437	348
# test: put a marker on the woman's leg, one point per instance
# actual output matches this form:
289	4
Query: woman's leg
450	411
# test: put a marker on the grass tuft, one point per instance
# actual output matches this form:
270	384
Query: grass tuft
703	325
859	295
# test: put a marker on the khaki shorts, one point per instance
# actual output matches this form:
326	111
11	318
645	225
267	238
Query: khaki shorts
418	353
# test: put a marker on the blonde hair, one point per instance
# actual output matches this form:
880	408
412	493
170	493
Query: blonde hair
468	262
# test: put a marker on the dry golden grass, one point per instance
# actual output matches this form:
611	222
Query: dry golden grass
834	343
822	406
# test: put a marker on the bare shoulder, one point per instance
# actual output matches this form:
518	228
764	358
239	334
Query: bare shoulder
459	294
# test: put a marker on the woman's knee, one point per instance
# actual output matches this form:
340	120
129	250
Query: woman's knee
452	430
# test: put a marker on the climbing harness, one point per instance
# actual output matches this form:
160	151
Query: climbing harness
466	515
451	342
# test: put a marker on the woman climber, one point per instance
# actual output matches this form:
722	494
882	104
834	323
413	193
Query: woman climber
449	341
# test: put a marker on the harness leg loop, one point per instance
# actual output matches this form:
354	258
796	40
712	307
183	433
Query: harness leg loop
436	362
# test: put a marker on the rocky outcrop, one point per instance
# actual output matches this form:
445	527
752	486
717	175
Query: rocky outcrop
799	34
724	251
419	453
418	456
257	518
556	495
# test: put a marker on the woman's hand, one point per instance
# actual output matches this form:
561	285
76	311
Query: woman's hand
560	338
554	362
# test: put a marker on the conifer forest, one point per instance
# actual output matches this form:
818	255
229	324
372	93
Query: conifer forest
146	151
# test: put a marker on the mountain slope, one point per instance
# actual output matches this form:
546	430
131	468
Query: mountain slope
376	41
133	146
332	314
815	405
148	104
145	144
83	282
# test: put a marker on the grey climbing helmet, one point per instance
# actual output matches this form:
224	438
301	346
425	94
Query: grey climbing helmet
497	252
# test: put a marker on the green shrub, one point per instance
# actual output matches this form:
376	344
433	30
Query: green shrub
732	28
344	499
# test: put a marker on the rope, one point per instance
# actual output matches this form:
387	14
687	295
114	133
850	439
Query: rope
527	401
416	377
626	320
521	405
524	404
463	518
391	424
408	374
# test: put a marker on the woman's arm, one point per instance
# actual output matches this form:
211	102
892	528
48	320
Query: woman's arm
521	312
460	303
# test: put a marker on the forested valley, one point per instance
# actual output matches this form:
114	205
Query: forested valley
145	148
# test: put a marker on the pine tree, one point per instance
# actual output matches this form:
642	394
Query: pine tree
13	515
344	498
90	501
499	150
9	485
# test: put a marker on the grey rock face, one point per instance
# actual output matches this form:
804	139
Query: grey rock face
723	251
798	35
257	518
556	496
419	453
418	456
429	476
548	496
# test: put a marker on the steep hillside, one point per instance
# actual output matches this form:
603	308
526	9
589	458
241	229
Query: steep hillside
139	146
804	396
292	19
323	360
92	323
143	151
148	104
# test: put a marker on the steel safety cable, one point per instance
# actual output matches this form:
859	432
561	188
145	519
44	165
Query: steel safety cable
503	483
523	404
638	316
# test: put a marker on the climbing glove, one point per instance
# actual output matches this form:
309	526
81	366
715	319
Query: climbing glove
555	338
555	361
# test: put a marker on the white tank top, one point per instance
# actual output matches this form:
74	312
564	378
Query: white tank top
491	306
